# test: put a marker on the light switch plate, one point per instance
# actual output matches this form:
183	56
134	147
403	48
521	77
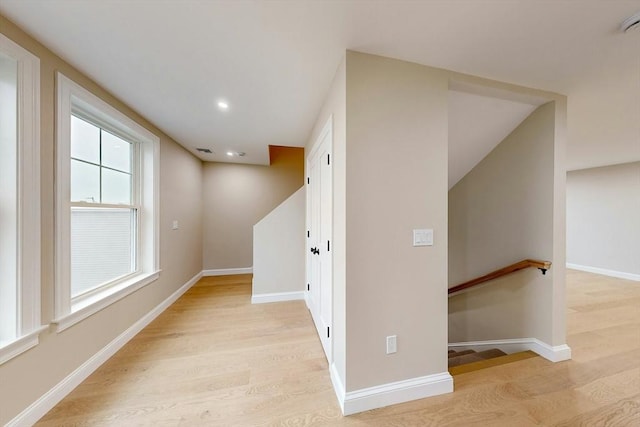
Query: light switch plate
392	344
423	237
174	225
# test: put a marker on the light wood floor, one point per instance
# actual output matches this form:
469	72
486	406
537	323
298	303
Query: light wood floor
214	359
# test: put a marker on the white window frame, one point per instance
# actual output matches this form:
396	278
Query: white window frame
27	182
74	99
134	203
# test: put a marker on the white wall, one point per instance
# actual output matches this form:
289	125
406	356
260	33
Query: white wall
279	252
603	220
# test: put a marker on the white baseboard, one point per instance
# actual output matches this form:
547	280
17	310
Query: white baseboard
556	353
338	385
396	392
40	407
277	297
227	271
553	353
605	272
389	394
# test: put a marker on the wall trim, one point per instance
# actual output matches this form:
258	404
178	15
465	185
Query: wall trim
277	297
338	386
396	392
605	272
47	401
227	271
22	344
556	353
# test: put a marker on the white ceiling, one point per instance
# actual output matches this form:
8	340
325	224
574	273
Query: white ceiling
476	125
273	61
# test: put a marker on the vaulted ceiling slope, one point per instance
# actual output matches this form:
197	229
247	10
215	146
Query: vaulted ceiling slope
273	61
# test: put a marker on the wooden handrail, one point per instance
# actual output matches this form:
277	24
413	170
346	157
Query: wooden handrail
541	265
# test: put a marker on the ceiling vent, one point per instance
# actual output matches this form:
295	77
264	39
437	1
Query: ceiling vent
204	150
631	23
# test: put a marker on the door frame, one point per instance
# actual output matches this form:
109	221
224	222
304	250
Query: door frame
327	130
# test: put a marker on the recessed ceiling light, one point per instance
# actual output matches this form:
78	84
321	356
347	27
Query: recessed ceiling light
223	105
236	153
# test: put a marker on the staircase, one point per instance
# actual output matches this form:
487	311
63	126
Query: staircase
469	356
461	362
464	361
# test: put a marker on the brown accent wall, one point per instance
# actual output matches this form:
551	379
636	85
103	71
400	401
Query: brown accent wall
236	196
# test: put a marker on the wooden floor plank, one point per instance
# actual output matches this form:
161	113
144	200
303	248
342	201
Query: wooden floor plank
213	359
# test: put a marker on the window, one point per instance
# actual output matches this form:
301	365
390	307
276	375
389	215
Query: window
104	209
106	205
19	200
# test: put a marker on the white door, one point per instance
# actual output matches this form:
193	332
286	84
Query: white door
319	221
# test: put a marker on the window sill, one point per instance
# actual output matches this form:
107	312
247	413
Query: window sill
18	346
102	300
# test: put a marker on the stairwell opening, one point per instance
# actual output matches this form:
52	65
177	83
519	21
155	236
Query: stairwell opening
501	187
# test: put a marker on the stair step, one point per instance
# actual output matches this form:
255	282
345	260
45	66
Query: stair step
453	353
488	363
475	357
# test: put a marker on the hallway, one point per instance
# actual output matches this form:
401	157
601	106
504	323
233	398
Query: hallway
214	359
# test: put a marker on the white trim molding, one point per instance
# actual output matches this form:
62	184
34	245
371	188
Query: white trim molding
338	385
71	98
277	297
227	271
20	193
605	272
103	300
556	353
40	407
22	344
396	392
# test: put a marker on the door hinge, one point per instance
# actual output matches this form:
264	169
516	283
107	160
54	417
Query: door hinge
308	287
328	335
328	246
308	233
328	159
307	180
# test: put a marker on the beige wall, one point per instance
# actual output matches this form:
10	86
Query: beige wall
396	180
603	218
279	248
237	196
500	213
604	109
390	176
26	377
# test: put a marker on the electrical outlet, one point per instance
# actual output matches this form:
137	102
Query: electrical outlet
392	344
174	226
